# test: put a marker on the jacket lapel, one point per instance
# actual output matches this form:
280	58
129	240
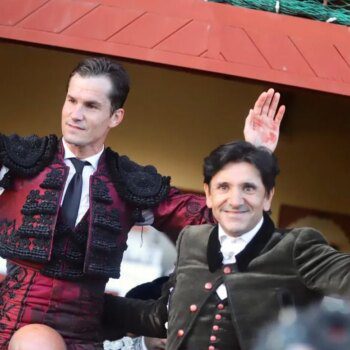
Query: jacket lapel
251	251
214	255
256	245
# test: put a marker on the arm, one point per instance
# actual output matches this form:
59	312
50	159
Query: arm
148	318
263	122
141	317
179	210
322	268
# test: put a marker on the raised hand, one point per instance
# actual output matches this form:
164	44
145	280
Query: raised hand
262	126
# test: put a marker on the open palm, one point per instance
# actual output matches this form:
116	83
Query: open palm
262	124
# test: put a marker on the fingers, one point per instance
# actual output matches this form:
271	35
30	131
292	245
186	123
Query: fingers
259	104
274	104
270	96
269	108
279	115
266	104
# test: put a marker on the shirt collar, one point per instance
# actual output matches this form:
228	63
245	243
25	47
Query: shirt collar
93	160
246	237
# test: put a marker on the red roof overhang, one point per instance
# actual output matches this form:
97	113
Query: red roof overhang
193	34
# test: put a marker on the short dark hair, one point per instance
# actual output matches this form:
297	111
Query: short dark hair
103	66
241	151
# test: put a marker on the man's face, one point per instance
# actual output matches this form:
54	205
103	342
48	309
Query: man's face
237	198
87	114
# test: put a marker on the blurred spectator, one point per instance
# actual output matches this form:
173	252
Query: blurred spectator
321	327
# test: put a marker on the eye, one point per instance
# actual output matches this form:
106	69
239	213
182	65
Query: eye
70	99
91	105
223	186
249	188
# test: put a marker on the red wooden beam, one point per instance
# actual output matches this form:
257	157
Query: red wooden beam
193	34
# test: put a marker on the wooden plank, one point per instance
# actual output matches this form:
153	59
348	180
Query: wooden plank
192	34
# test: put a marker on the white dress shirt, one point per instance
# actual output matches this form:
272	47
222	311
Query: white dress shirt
231	246
88	170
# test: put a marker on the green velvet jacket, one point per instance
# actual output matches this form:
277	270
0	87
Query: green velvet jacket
277	269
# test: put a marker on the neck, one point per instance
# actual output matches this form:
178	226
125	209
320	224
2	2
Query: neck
251	232
82	152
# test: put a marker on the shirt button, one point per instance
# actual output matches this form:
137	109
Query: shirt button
221	306
227	270
193	308
180	332
218	317
211	347
215	327
208	286
212	338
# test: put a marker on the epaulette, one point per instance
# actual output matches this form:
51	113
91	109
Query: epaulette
141	186
27	156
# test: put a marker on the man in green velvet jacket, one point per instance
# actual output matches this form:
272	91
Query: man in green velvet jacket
233	278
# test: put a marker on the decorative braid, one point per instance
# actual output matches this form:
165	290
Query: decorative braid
27	156
138	185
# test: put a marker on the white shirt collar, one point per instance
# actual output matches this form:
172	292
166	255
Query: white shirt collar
246	237
231	246
93	160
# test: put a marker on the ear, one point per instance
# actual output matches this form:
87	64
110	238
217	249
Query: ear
116	118
208	196
268	200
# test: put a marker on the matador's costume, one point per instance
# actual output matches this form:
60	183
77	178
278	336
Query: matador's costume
56	274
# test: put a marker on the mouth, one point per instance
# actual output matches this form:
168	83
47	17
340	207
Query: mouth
235	212
75	127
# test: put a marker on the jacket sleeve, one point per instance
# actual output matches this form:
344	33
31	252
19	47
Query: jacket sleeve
323	268
179	210
140	317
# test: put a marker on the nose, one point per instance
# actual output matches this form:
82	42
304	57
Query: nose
235	198
77	113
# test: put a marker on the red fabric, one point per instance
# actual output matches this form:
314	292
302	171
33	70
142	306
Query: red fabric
179	210
71	308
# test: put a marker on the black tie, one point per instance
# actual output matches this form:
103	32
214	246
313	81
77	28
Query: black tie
71	201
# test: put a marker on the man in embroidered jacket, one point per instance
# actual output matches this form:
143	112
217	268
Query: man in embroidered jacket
57	271
233	278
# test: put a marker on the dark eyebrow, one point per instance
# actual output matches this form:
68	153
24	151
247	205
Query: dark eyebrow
252	184
93	103
222	183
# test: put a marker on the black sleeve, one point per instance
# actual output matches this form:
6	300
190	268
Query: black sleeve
140	317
